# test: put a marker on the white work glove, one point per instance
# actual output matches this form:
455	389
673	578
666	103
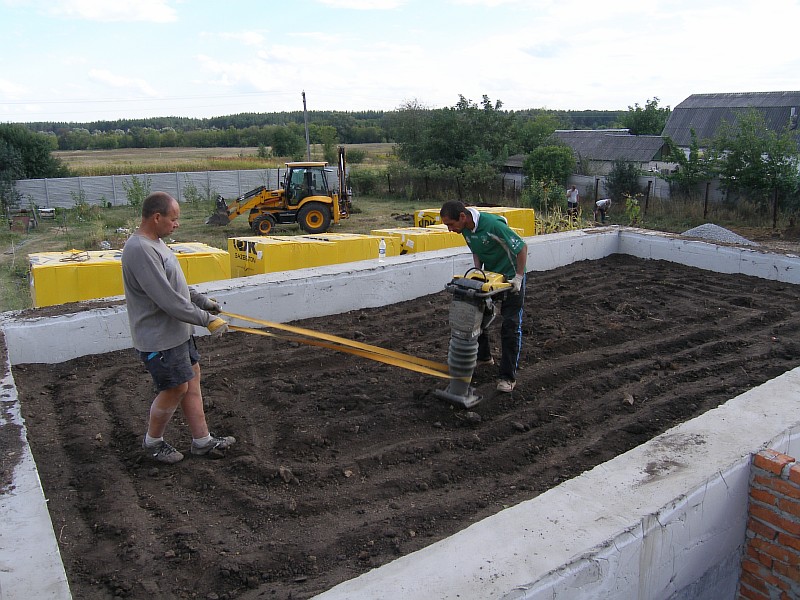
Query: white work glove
217	327
213	307
516	283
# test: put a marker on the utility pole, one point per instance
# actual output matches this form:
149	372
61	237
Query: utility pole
305	118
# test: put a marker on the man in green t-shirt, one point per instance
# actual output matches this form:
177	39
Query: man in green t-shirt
495	247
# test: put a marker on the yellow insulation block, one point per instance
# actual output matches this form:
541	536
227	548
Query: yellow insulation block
421	239
201	263
353	246
523	219
59	277
516	230
258	255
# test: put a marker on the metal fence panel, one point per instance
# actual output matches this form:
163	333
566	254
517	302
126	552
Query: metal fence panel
110	190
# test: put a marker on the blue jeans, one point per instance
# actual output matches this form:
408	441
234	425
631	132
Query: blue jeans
511	308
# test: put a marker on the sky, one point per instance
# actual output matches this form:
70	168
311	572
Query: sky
92	60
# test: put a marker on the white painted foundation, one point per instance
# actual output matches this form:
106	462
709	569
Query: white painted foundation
665	520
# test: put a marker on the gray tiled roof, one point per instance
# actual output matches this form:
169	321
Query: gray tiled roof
706	112
612	144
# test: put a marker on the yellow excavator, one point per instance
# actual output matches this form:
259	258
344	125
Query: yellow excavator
305	198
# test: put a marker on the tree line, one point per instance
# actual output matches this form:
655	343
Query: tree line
456	151
256	129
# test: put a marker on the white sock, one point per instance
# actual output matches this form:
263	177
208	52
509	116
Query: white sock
151	441
203	441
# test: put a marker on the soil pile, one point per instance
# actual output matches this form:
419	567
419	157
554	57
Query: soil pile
343	464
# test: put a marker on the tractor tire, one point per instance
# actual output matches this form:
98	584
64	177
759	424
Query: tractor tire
263	225
314	217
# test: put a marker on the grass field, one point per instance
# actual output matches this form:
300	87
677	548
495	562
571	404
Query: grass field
156	160
85	231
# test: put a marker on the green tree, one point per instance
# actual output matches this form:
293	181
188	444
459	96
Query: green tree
287	142
692	169
754	161
34	151
454	136
550	163
623	181
649	120
11	169
535	132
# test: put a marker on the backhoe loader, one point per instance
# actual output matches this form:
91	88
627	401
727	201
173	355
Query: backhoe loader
304	198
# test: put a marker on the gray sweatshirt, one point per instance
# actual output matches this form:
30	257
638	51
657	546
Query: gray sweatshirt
161	307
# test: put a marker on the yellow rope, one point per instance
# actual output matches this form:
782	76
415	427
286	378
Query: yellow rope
332	342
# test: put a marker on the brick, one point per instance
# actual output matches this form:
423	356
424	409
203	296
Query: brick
750	594
789	541
791	573
762	530
778	485
775	519
754	582
772	461
789	506
759	556
773	550
794	474
763	496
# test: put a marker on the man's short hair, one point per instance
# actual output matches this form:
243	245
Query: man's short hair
157	202
452	209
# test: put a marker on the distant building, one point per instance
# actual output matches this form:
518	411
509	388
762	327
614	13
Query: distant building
705	113
596	150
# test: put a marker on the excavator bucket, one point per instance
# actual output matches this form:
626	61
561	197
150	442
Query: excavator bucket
221	216
218	218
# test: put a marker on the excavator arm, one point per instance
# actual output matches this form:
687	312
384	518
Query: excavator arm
225	213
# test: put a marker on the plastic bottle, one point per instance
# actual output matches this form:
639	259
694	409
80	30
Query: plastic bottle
381	250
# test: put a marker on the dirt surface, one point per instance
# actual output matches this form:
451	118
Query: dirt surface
344	464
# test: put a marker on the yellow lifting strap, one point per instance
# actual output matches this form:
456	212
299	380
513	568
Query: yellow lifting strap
332	342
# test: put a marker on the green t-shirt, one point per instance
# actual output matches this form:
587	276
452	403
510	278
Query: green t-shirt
495	244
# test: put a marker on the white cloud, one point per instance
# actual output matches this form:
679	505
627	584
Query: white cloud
364	4
248	38
11	90
139	86
156	11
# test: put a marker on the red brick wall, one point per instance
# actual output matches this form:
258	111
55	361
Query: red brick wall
771	561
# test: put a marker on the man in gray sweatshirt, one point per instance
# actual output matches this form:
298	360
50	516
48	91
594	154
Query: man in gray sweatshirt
162	311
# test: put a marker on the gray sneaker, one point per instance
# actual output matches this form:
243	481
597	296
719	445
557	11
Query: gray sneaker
215	448
163	452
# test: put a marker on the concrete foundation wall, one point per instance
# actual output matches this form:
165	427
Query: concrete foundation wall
665	520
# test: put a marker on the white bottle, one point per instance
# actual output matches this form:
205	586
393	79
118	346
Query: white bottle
381	250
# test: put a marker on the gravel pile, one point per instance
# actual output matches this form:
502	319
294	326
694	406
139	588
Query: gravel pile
715	233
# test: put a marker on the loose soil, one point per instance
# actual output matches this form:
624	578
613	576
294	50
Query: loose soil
343	464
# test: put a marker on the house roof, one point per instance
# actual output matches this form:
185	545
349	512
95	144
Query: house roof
612	144
705	113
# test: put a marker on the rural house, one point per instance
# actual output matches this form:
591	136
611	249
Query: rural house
705	113
596	150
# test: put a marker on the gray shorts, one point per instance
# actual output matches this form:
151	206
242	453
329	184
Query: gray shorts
173	367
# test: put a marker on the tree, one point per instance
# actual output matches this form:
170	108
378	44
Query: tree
288	142
692	169
649	120
535	132
754	161
466	133
550	163
623	180
35	152
11	168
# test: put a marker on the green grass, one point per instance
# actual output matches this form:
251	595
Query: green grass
86	229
